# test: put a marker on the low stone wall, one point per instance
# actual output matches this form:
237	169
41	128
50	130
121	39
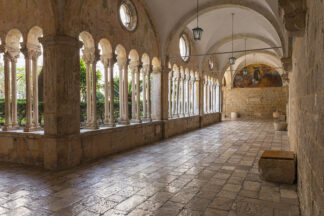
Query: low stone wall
209	119
99	143
22	148
39	150
177	126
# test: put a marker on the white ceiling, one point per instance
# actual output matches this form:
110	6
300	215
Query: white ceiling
253	18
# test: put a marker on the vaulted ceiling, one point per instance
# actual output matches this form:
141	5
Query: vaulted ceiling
256	20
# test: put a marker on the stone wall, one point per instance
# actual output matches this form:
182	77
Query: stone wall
36	149
306	128
255	102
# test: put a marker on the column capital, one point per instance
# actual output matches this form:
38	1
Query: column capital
134	64
287	63
88	56
105	59
2	48
156	69
121	61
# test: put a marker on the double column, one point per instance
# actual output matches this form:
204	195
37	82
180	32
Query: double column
10	59
188	95
147	92
183	79
123	90
91	57
108	64
31	59
136	97
170	89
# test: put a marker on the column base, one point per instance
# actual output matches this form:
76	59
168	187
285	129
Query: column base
138	121
10	128
31	129
124	122
109	124
92	126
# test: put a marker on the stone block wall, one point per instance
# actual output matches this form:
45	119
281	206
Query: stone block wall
180	125
306	128
255	102
209	119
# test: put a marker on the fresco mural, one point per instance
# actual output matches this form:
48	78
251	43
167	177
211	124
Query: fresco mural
257	76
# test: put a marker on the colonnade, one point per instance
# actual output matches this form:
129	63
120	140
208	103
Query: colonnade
124	67
10	55
182	93
211	95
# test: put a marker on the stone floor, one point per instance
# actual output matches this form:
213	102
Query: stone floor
212	171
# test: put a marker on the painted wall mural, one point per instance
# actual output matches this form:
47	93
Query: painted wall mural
257	76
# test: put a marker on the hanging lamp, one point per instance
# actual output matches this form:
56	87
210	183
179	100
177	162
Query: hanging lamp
245	70
232	59
197	32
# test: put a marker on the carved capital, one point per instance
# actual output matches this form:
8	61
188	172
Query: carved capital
285	78
294	16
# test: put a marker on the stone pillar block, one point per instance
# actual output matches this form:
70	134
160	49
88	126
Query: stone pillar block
278	166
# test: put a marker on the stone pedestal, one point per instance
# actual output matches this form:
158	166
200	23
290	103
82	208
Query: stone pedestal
234	115
278	166
280	126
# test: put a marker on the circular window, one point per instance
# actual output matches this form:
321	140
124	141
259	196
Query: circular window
128	15
184	47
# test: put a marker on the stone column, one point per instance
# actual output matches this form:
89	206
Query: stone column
28	125
88	58
156	93
94	123
123	90
144	72
135	91
178	97
132	68
62	144
138	96
7	125
192	106
183	95
14	123
35	57
173	97
170	94
197	96
149	94
105	63
111	122
188	95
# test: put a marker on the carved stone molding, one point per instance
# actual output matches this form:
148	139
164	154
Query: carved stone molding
294	16
287	64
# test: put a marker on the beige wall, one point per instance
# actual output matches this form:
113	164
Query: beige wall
255	102
306	128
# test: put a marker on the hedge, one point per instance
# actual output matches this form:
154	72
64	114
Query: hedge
21	113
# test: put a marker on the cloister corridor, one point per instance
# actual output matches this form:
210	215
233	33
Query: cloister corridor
211	171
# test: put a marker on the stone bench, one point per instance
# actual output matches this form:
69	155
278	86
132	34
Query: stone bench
278	166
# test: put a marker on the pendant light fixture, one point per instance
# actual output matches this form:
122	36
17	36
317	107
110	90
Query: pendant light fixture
197	32
232	59
245	70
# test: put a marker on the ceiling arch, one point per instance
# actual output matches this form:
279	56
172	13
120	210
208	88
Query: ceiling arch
182	14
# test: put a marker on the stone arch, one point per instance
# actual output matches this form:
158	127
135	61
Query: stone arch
87	40
106	49
191	15
133	55
156	63
145	59
120	51
33	35
13	40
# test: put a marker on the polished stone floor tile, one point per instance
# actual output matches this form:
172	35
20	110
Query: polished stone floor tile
211	171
